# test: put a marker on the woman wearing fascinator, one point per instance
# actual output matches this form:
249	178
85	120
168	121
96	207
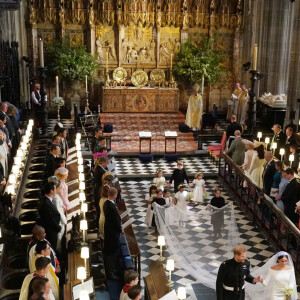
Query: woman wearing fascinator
279	281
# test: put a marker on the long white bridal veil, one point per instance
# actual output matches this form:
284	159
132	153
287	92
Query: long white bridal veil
263	291
201	244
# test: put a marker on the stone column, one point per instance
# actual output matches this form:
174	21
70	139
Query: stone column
157	46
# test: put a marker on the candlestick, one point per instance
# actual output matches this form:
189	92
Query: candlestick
291	159
202	85
255	56
171	61
57	86
41	48
86	84
99	108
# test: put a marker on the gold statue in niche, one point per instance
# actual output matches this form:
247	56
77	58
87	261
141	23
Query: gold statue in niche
137	42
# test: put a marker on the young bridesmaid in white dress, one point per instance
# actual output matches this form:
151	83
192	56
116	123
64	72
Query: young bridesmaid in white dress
148	198
199	188
159	180
180	202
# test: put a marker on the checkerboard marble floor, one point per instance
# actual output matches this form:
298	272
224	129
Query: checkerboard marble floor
258	247
192	165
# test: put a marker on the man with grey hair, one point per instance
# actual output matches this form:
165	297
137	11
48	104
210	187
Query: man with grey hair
278	138
237	149
268	173
232	127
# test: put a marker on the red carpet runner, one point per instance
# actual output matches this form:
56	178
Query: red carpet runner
125	137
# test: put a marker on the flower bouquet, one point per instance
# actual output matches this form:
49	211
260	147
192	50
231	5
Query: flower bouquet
160	183
205	195
58	102
190	196
287	292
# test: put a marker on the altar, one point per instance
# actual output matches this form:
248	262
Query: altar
145	99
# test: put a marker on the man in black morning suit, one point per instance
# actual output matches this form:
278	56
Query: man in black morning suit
232	127
51	161
49	215
279	138
291	196
268	173
112	231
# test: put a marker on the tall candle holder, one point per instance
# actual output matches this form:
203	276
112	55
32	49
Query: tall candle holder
87	105
44	112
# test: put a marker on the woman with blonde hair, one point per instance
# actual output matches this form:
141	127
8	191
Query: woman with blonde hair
103	197
62	175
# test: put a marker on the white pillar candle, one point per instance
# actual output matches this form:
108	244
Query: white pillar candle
41	53
202	85
57	86
255	49
86	83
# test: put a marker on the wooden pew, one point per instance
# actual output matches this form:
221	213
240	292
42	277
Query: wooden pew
156	283
130	239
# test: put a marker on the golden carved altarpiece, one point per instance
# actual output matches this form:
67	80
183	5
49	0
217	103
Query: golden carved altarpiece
140	33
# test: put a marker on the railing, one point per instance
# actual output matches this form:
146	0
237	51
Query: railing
261	210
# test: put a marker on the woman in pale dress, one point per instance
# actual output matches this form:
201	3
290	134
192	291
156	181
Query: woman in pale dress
159	180
257	166
62	175
3	153
103	197
199	188
57	201
248	155
278	274
148	198
181	207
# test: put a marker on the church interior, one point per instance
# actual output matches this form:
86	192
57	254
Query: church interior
147	146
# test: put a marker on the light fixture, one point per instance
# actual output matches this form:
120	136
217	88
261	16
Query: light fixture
25	139
80	168
23	146
20	152
78	147
78	136
84	208
82	196
79	154
80	161
259	135
81	185
83	227
84	295
267	141
161	242
281	152
274	147
170	267
18	160
81	273
81	177
181	293
291	159
15	169
12	179
85	254
30	122
11	189
77	142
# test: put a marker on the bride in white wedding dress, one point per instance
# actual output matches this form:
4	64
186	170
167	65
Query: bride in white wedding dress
278	274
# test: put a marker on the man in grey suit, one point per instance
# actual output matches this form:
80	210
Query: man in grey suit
237	149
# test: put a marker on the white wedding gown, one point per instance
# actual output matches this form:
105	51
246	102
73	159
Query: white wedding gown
278	280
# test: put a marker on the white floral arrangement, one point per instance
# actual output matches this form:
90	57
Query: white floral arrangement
154	196
58	101
189	196
287	292
205	195
160	183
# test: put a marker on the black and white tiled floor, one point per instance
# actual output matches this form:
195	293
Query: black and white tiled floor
258	248
192	165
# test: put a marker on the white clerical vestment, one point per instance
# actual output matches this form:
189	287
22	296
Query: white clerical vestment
25	288
243	107
194	111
